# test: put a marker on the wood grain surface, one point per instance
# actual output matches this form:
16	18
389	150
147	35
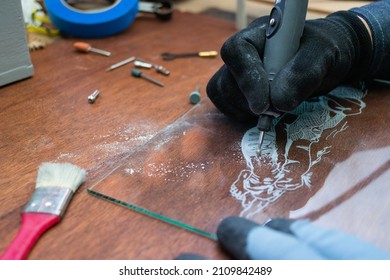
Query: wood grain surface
148	146
48	118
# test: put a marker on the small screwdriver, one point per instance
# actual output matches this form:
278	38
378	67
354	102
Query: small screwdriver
204	54
85	47
139	74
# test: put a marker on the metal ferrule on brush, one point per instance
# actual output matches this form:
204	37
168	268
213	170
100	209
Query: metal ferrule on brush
50	200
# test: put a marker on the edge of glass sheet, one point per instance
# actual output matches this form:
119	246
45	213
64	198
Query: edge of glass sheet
154	215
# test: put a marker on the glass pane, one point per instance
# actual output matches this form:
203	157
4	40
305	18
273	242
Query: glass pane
203	167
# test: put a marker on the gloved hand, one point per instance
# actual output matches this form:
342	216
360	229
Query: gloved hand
332	51
284	239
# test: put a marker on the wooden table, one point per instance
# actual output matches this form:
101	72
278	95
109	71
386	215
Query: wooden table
135	129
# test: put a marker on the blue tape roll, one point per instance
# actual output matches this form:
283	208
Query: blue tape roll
94	23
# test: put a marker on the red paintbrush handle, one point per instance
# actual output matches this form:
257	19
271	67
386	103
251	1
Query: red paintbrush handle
32	227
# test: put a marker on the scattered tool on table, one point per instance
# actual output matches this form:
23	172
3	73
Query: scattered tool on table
93	96
283	34
204	54
195	96
139	74
162	10
144	64
121	63
85	47
55	186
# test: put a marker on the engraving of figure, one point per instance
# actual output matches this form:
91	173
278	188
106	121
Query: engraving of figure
299	134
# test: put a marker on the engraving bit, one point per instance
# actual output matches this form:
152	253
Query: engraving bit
120	63
93	96
195	95
159	68
85	47
139	74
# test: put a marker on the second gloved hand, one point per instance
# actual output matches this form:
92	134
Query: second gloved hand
284	239
333	50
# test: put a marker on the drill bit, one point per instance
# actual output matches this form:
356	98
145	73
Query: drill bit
85	47
261	139
263	125
121	63
139	74
195	96
93	96
144	64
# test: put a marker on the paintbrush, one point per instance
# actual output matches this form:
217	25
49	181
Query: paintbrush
56	183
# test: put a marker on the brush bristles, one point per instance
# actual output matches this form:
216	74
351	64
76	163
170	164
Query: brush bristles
63	175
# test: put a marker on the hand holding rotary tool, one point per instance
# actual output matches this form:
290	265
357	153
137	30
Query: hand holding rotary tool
334	50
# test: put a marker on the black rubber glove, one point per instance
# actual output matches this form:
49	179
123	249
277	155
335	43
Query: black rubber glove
333	50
